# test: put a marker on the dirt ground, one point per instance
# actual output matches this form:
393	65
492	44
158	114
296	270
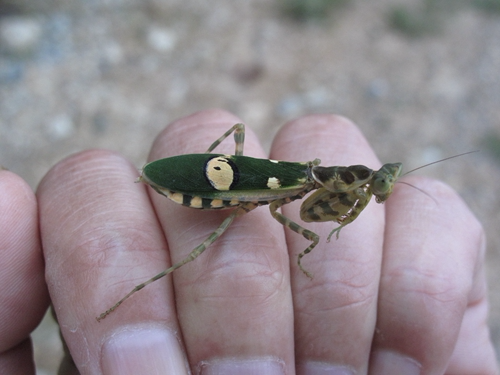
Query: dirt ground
112	73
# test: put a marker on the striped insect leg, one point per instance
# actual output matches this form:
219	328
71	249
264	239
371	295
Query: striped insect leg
309	235
243	209
239	139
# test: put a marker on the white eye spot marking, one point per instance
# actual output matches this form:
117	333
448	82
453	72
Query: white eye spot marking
273	183
220	173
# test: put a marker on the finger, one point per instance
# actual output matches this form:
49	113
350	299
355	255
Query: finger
24	292
100	238
234	300
474	352
432	271
335	311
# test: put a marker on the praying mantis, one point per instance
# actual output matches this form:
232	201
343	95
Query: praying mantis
210	181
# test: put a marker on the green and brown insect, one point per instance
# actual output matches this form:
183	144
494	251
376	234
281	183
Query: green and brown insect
215	181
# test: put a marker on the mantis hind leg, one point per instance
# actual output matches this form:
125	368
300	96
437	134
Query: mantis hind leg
309	235
239	139
197	251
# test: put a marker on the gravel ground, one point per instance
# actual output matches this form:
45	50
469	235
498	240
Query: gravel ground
111	73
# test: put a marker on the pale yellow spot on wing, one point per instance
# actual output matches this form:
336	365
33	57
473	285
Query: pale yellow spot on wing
177	197
195	202
274	161
234	202
273	183
216	203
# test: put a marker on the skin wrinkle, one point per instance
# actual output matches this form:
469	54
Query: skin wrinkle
427	284
91	161
124	224
275	279
105	244
21	192
93	250
455	304
21	261
74	164
78	214
96	172
350	264
264	295
355	293
346	297
440	287
106	240
356	304
243	258
18	238
347	282
250	257
240	297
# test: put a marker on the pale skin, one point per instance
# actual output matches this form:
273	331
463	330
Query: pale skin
404	295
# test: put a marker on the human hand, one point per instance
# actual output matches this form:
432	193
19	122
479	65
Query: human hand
405	297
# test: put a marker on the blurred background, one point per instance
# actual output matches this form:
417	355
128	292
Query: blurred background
420	77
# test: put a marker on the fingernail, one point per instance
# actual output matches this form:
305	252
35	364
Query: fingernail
388	363
243	367
322	368
143	351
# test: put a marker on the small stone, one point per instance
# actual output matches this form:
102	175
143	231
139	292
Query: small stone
61	127
378	88
161	39
20	34
11	72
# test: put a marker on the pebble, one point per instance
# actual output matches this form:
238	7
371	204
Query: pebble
60	127
20	34
161	39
